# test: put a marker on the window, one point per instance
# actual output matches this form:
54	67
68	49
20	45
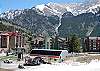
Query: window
3	41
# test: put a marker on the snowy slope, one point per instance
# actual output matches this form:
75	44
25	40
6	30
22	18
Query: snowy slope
55	8
11	14
74	8
94	9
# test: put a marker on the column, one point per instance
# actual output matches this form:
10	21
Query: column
47	42
21	41
8	43
15	42
0	41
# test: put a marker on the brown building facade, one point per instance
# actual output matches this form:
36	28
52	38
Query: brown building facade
10	40
92	44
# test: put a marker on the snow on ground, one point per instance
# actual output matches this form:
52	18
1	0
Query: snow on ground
74	66
2	54
68	65
8	66
94	65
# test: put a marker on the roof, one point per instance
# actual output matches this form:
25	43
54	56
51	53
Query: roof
10	33
49	49
47	52
6	34
38	38
94	38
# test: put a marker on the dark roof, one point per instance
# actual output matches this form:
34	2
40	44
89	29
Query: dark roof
46	52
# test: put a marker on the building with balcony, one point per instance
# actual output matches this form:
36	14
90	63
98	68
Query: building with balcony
92	44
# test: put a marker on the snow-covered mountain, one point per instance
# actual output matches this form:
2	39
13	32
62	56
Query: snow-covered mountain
11	14
56	9
14	13
32	19
74	8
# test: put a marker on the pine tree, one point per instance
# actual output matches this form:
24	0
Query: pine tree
74	44
56	43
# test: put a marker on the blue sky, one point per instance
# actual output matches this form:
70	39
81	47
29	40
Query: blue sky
21	4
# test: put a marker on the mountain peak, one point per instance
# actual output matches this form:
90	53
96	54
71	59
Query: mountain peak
40	7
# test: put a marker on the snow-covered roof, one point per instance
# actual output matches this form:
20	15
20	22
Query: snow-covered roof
49	49
94	38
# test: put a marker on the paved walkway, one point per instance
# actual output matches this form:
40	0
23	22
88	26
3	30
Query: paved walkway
1	69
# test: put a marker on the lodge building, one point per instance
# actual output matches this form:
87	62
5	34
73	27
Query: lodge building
92	44
10	40
40	42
